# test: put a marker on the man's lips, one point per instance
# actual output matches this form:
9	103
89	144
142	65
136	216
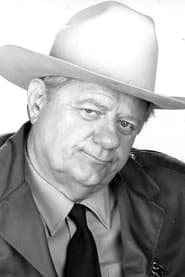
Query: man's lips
96	159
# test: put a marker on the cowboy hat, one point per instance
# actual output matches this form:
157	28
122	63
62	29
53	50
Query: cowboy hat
108	43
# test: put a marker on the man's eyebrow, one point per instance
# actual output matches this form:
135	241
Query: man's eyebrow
131	118
94	102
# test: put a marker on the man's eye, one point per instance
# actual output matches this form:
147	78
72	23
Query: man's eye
126	127
90	114
89	111
124	124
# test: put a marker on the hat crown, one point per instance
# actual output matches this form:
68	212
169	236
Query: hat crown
113	40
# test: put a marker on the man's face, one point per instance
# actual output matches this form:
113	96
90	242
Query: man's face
82	137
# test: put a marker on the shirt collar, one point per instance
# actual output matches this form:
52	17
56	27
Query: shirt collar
55	206
101	203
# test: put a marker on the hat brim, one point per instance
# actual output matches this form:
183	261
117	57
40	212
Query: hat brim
19	66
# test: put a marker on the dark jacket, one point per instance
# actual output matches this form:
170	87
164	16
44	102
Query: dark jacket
151	198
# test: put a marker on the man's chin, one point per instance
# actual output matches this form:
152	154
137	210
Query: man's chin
93	181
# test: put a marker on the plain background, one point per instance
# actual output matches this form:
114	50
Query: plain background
34	23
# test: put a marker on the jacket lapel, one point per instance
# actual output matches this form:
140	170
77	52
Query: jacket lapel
22	228
141	220
20	223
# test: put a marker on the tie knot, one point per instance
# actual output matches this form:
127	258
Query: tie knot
77	214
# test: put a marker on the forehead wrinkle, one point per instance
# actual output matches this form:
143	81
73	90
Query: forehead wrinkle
99	103
91	88
96	88
93	93
91	100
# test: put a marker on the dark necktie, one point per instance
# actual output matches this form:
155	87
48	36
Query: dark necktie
82	256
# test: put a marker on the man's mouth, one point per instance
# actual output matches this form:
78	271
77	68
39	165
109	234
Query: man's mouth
96	159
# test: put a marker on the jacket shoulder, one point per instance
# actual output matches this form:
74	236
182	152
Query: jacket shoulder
4	137
150	158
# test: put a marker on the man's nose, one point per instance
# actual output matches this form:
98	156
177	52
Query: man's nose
107	137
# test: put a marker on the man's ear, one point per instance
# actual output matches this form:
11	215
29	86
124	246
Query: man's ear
37	97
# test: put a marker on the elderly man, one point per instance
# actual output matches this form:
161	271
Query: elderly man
76	199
